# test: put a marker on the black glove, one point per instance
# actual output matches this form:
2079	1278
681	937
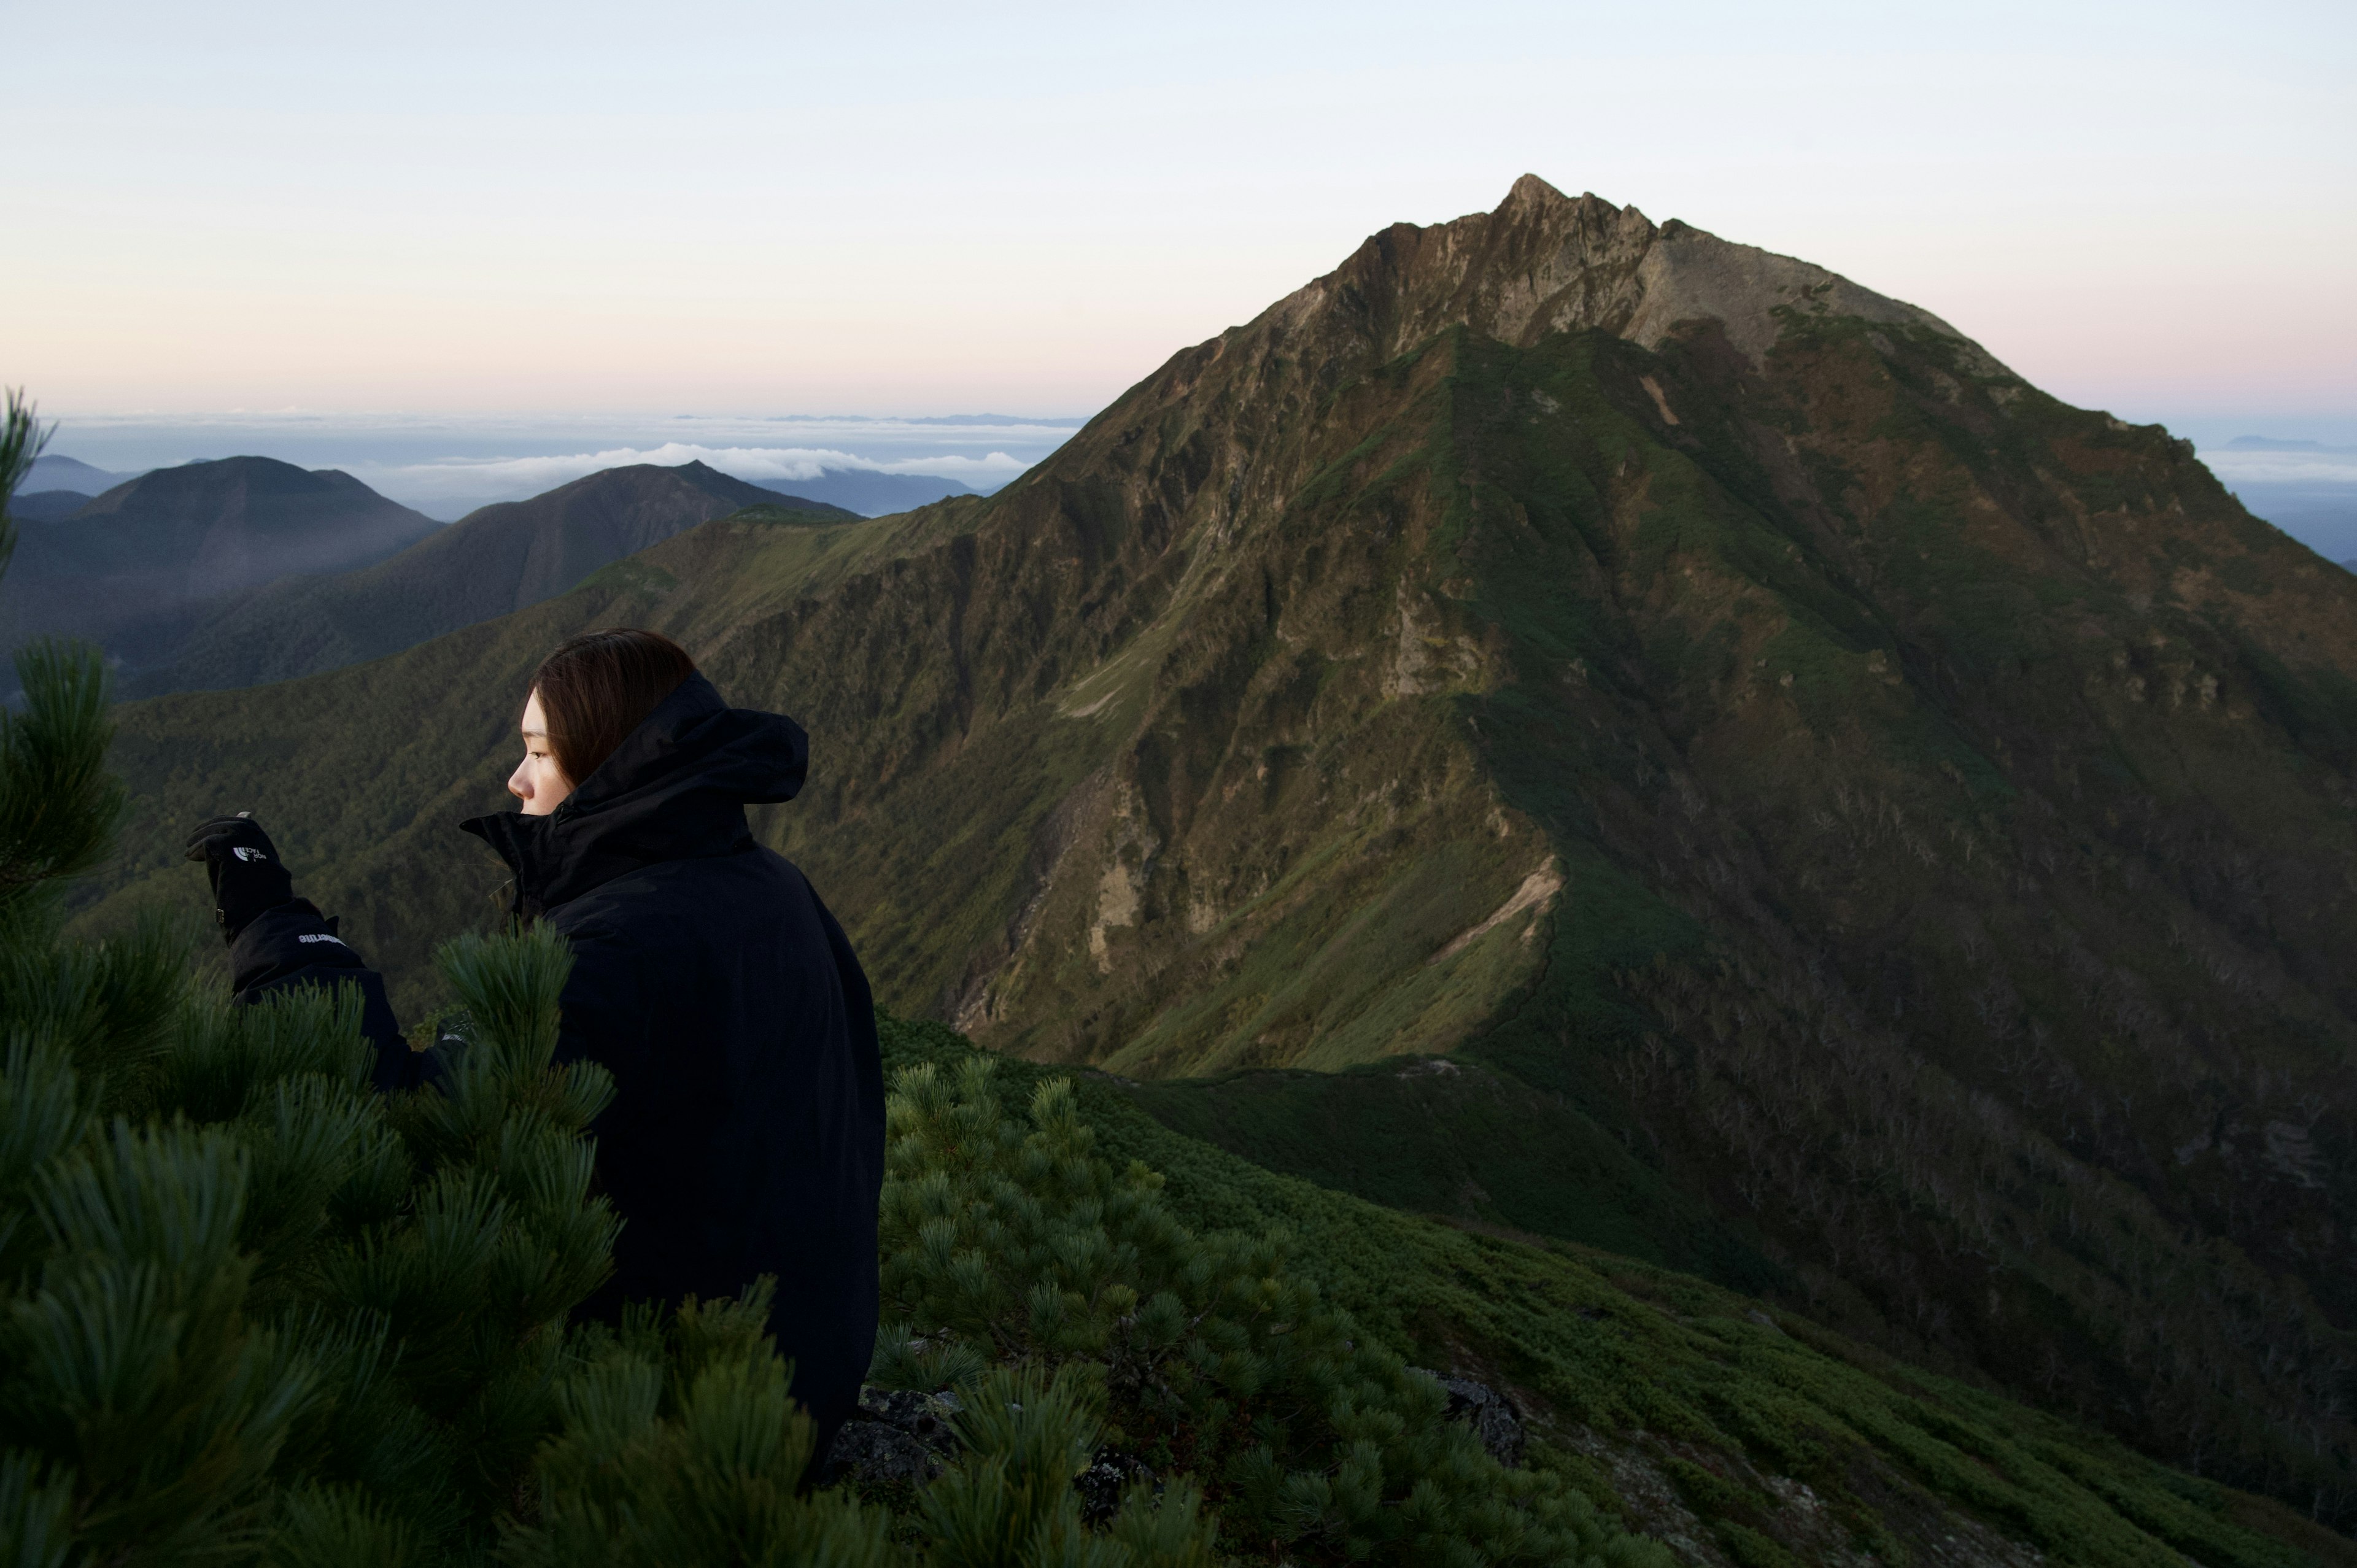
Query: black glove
244	868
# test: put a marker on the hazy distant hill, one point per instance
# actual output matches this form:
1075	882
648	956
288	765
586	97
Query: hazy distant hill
495	560
125	568
871	494
1821	812
51	472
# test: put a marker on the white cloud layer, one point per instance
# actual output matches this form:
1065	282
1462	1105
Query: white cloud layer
2323	468
473	478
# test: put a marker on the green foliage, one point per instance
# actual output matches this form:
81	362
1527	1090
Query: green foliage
1646	1368
1208	1354
21	440
679	1447
1013	1501
1463	1139
242	1289
245	1302
58	818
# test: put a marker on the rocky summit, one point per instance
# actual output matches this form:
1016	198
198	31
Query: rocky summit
1704	759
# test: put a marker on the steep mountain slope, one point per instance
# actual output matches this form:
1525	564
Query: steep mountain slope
125	568
1884	832
495	560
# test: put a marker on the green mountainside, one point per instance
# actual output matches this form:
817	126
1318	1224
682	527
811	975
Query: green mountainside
1700	759
129	569
493	561
1736	1435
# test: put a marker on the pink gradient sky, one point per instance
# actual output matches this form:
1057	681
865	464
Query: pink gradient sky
2149	208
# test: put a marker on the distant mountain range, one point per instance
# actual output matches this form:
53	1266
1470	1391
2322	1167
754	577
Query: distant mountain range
59	487
223	574
1584	728
131	567
2272	443
494	560
51	472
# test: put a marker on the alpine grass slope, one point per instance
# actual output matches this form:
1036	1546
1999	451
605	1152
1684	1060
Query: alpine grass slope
1806	805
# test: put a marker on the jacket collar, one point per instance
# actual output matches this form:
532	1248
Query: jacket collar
676	790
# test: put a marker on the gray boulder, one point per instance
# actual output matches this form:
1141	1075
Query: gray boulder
1494	1418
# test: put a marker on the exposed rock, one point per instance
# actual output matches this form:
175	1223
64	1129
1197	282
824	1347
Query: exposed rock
1109	1475
1545	261
879	1453
899	1436
1496	1420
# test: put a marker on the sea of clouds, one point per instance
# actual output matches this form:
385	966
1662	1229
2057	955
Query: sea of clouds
447	465
2321	466
436	485
2308	491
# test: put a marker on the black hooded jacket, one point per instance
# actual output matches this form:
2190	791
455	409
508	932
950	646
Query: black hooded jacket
747	1131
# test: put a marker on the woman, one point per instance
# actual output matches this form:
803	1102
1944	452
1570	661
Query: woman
747	1131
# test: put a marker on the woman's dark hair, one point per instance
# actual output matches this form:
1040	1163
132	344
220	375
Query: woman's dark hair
599	686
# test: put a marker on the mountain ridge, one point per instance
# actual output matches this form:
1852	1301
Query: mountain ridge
1544	263
496	560
129	567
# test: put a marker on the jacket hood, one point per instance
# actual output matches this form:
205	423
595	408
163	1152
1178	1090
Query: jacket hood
676	788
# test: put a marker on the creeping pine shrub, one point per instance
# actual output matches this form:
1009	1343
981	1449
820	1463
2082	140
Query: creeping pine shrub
250	1308
242	1297
247	1305
1010	1241
679	1447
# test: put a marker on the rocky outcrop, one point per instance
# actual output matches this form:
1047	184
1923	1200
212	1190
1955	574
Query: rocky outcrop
1544	263
899	1438
905	1439
1496	1420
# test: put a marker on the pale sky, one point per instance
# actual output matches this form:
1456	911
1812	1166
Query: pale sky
720	208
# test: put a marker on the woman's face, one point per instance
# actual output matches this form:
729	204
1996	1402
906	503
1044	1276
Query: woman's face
537	781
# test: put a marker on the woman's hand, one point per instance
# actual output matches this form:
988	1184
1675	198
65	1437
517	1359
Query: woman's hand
244	868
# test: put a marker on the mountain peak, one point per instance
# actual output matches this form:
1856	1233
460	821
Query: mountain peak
1532	191
1544	262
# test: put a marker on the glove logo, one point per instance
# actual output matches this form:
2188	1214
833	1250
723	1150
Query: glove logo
244	854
